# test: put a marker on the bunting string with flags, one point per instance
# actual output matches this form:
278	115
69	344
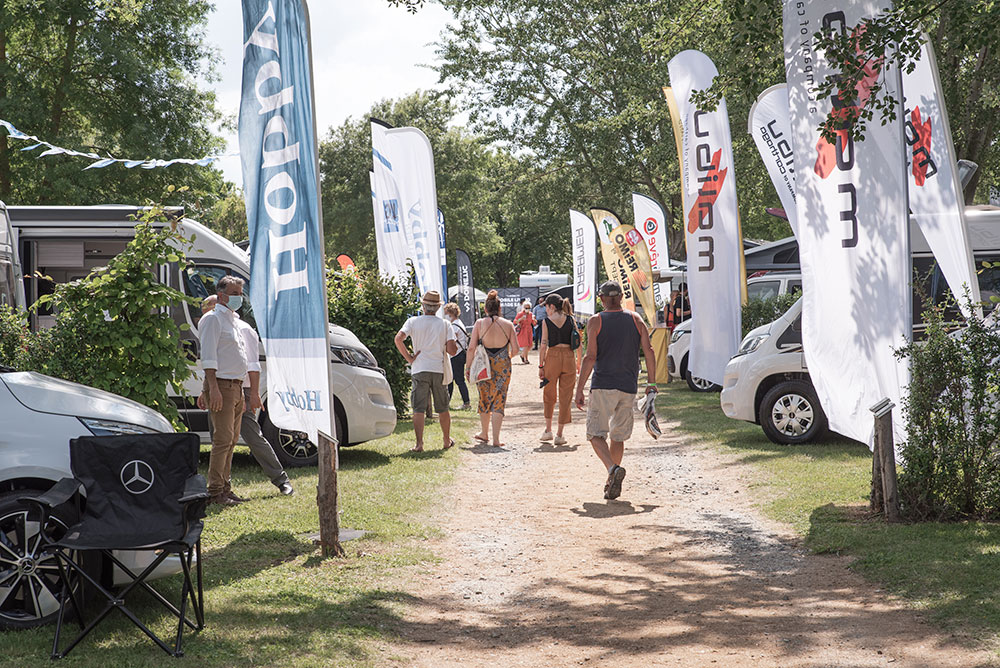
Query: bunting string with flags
97	161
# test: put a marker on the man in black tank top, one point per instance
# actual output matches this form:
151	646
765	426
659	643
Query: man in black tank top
614	337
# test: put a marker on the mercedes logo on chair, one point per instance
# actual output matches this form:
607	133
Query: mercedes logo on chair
137	476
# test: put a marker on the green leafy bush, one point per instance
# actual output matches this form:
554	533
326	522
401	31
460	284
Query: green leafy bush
951	463
14	336
113	329
374	308
757	312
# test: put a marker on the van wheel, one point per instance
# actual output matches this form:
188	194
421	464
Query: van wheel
790	413
293	448
29	577
700	384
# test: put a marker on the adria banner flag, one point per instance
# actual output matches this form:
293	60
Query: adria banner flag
651	223
715	276
412	159
281	186
390	239
768	125
613	265
936	199
466	295
853	232
584	242
632	252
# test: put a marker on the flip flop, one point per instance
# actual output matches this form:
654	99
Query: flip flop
417	449
481	439
451	443
499	445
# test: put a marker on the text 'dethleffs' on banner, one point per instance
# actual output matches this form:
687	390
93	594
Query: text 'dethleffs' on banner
390	237
935	193
281	187
583	239
651	223
715	276
768	125
606	221
852	226
412	159
465	296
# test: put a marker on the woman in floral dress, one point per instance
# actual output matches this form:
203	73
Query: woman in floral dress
497	336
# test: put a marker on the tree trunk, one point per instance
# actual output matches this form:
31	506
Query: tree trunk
57	112
5	193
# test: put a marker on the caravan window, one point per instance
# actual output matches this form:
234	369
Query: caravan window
6	284
763	289
200	281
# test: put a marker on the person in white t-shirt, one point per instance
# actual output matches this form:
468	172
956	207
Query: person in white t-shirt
433	341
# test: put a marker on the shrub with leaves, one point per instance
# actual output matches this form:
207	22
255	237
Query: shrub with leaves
374	308
113	329
951	463
14	336
757	312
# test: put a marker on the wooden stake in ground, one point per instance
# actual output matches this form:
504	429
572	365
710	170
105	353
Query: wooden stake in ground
326	498
884	459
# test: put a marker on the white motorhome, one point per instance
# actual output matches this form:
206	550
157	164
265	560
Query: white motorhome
543	279
65	243
767	382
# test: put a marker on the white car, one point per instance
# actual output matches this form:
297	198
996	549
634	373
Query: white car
767	382
40	415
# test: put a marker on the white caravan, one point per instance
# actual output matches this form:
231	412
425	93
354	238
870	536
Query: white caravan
67	243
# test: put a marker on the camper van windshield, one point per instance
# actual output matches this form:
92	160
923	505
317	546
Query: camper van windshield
200	282
6	283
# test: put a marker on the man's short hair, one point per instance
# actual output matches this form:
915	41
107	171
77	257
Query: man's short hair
226	281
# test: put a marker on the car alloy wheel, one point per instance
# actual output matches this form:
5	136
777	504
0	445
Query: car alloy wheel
792	415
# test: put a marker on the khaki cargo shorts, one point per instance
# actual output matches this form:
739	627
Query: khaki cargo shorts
612	406
427	384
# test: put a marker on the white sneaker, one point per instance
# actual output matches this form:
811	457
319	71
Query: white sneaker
560	440
547	436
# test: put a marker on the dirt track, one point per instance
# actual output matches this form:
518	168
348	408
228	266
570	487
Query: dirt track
539	570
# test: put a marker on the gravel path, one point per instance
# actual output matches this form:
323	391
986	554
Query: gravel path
682	570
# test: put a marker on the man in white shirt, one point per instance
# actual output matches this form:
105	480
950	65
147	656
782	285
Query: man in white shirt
250	431
433	341
225	363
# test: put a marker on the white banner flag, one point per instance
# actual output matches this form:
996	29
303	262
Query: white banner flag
651	223
390	239
852	232
412	160
711	219
584	239
936	199
768	125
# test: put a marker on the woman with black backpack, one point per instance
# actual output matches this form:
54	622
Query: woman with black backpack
557	364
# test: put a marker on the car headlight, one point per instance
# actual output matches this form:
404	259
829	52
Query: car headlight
750	344
676	336
353	357
114	428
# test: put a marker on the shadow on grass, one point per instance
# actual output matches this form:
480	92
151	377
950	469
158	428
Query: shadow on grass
951	568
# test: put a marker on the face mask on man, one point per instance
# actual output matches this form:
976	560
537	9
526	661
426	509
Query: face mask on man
235	302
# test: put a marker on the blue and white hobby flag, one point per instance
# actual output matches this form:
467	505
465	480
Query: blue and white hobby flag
280	183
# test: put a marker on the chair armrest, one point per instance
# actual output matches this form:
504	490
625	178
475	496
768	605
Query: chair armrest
195	488
58	494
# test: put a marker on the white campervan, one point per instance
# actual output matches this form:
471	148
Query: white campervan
767	382
64	243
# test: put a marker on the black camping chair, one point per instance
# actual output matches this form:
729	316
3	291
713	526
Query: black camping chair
143	493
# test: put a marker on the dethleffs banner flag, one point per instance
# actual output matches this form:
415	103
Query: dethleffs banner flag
935	194
715	276
584	241
281	186
768	125
631	250
390	239
613	265
409	151
651	222
852	231
466	295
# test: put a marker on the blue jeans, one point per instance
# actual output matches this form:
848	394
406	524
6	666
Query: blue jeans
458	371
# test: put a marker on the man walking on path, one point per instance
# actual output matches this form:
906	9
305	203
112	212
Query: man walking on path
540	314
431	337
259	446
224	360
613	340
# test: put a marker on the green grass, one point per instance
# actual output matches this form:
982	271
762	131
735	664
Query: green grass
271	599
821	490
